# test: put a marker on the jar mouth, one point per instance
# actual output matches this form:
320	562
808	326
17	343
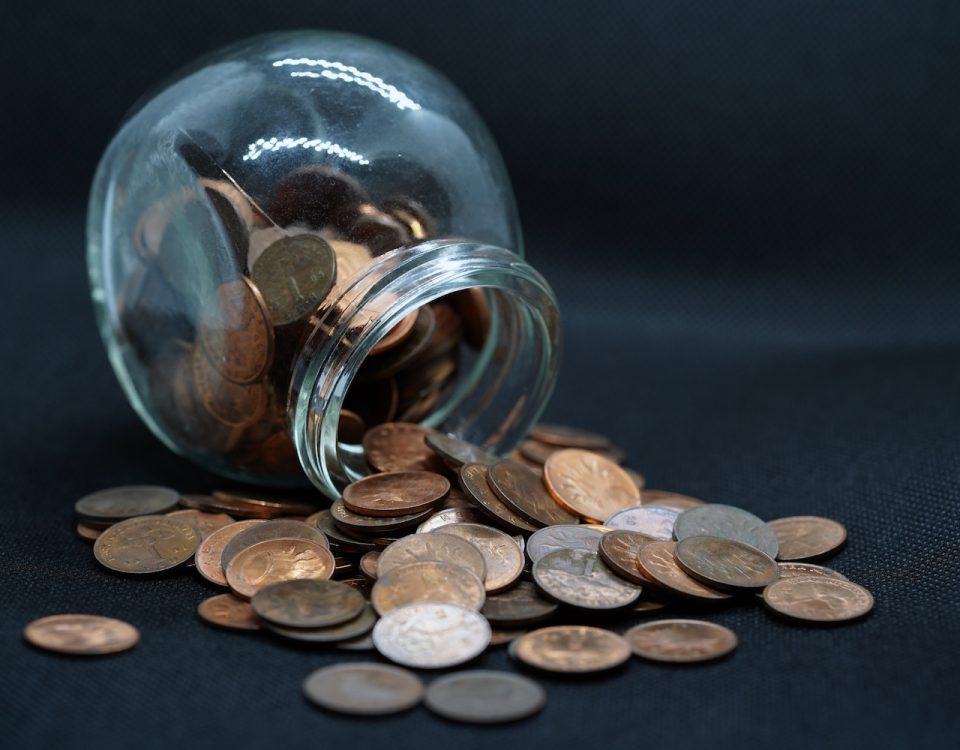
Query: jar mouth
496	399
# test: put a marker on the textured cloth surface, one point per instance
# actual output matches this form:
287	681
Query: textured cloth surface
750	218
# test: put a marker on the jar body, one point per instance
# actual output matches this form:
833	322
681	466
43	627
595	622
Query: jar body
307	223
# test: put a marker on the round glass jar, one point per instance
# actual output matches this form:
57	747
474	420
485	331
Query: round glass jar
304	235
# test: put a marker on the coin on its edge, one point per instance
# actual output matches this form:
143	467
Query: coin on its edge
571	649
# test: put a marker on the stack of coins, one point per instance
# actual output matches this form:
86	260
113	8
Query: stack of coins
446	550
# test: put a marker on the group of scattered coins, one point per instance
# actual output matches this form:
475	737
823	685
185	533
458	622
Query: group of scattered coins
447	549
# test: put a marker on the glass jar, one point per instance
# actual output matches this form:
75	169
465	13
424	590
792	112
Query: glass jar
304	235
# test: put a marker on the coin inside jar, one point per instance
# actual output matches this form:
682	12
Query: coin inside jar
681	641
364	689
571	649
81	635
427	582
589	485
485	697
395	493
277	560
294	275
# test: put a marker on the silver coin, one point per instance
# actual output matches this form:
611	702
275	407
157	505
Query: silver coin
485	697
653	521
432	548
431	635
341	634
581	579
364	689
726	522
564	536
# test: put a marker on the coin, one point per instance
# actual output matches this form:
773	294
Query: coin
458	452
351	427
358	627
205	523
431	635
534	450
818	600
307	603
87	533
802	570
282	528
400	446
231	404
474	482
277	560
808	537
81	635
395	335
658	563
620	549
502	556
448	516
234	332
294	275
395	493
571	649
668	499
581	579
565	536
728	522
120	503
523	492
363	643
519	606
343	542
650	520
503	637
724	563
426	582
146	544
446	548
638	479
364	689
227	611
368	564
681	641
356	523
485	697
258	507
568	437
210	552
589	486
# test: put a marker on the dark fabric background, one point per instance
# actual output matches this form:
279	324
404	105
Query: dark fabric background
749	212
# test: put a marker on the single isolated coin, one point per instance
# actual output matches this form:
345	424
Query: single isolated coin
475	484
517	607
571	649
818	600
364	689
81	635
227	611
658	563
427	582
277	560
724	563
120	503
581	579
307	603
485	697
210	552
502	555
446	548
566	536
589	485
146	544
522	490
395	493
431	635
653	521
728	522
681	641
808	537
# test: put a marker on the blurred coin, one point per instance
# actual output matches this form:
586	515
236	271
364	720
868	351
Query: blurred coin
356	523
650	520
681	641
804	570
446	548
638	479
395	335
281	528
458	452
427	582
571	649
620	549
368	564
120	503
503	637
431	635
400	446
589	486
724	563
210	552
406	354
565	536
307	603
667	499
808	537
658	563
727	522
363	689
88	533
227	611
474	309
248	506
362	643
474	482
485	697
536	451
81	635
359	626
204	522
523	492
519	606
568	437
234	332
294	275
581	579
342	541
448	516
502	556
231	404
377	230
277	560
351	427
819	600
146	544
395	493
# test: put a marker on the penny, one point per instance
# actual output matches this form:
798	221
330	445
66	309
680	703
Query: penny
363	689
668	499
258	507
401	359
446	548
351	427
589	486
358	627
474	482
431	635
818	600
565	536
807	537
681	641
146	544
81	635
399	446
650	520
523	492
283	528
503	637
658	563
120	503
458	452
363	643
227	611
210	552
581	579
307	603
88	533
277	560
485	697
519	606
502	556
620	549
395	493
231	404
205	523
427	582
568	437
724	563
357	523
344	543
534	450
803	570
727	522
571	649
449	516
395	335
294	275
368	564
234	332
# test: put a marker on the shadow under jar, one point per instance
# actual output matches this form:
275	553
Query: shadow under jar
305	235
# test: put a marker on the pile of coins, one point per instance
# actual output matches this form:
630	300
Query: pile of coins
446	550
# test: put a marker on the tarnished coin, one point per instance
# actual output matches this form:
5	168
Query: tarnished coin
581	579
81	635
571	649
658	563
205	523
808	537
650	520
294	275
431	635
445	548
485	697
277	560
227	611
820	600
146	544
724	563
234	332
281	528
568	437
363	643
534	450
620	549
728	522
244	506
448	516
566	536
668	499
458	452
400	446
210	552
523	492
588	485
517	607
120	503
502	556
368	564
427	582
340	540
359	626
395	335
503	637
357	523
681	641
364	689
474	482
804	570
88	533
395	493
307	603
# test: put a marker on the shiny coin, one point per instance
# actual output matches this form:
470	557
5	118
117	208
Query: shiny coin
359	626
650	520
728	522
146	544
620	550
724	563
234	332
502	556
399	446
120	503
805	570
458	452
571	649
819	600
247	506
396	493
657	562
519	606
588	485
81	635
446	548
523	492
581	579
567	536
294	275
449	516
568	437
474	483
210	552
88	533
283	528
668	499
485	697
427	582
227	611
277	560
307	603
808	537
364	689
205	523
681	641
431	635
357	523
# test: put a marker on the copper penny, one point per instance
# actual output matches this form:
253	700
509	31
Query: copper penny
88	533
658	563
205	523
307	603
502	556
565	536
589	486
210	551
475	484
517	607
120	503
235	334
571	649
804	570
294	275
534	450
620	549
277	560
808	537
395	335
446	548
363	524
368	564
363	689
227	611
523	492
431	635
146	544
650	520
247	506
485	697
668	499
681	641
714	519
581	579
281	528
427	582
818	600
638	479
81	635
568	437
724	563
351	427
395	493
342	541
231	404
400	446
503	637
458	452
